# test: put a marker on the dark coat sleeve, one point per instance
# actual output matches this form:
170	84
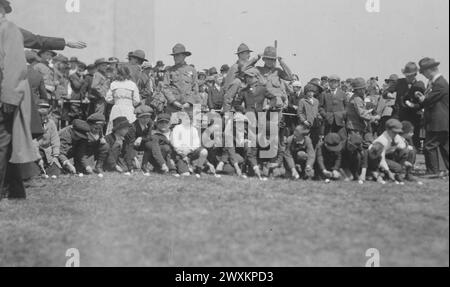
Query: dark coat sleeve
32	41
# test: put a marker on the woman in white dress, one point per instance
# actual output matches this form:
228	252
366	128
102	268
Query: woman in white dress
124	95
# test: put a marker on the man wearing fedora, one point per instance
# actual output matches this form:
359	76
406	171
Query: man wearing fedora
332	106
435	101
407	106
180	84
99	87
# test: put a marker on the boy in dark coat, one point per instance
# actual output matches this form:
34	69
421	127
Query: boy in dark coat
329	158
352	157
162	151
115	140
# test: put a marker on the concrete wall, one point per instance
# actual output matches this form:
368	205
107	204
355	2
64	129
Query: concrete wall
110	27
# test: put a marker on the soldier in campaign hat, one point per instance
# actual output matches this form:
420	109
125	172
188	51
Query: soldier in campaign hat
180	83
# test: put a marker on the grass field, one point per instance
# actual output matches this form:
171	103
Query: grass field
165	221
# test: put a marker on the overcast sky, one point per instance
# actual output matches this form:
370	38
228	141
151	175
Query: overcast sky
316	37
327	36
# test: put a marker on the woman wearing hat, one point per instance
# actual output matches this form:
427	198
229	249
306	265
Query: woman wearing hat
124	95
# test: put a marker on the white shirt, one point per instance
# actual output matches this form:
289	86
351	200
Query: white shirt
387	142
185	139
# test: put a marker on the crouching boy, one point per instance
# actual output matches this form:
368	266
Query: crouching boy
300	154
115	157
329	157
352	157
161	148
190	156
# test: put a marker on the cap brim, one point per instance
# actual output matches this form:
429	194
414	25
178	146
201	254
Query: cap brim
334	148
430	67
244	52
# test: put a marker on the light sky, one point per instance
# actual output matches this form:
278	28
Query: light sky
327	36
316	37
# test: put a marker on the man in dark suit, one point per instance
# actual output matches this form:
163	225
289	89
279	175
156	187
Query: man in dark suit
332	103
435	101
407	107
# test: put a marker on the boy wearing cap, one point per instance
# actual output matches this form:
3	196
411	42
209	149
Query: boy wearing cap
300	154
162	151
72	138
114	159
370	164
49	143
329	157
395	158
308	112
138	137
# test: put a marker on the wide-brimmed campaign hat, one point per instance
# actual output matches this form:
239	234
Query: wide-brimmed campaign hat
270	53
428	63
6	5
139	54
180	49
333	142
243	48
410	69
101	61
120	123
392	78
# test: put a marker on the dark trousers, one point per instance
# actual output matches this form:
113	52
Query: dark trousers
11	182
415	120
396	160
435	143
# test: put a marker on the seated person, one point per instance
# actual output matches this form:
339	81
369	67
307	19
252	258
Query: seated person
300	154
329	157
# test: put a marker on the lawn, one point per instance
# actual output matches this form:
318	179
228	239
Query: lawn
165	221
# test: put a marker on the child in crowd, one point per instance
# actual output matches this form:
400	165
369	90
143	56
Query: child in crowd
329	158
300	154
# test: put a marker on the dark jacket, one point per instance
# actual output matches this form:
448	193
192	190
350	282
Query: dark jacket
37	84
134	133
253	98
436	106
76	83
159	140
326	159
332	107
293	147
405	92
32	41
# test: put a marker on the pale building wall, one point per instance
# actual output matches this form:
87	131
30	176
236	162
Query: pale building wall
110	27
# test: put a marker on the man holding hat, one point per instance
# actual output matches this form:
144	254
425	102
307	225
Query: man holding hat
275	76
300	154
16	143
435	101
180	83
407	106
